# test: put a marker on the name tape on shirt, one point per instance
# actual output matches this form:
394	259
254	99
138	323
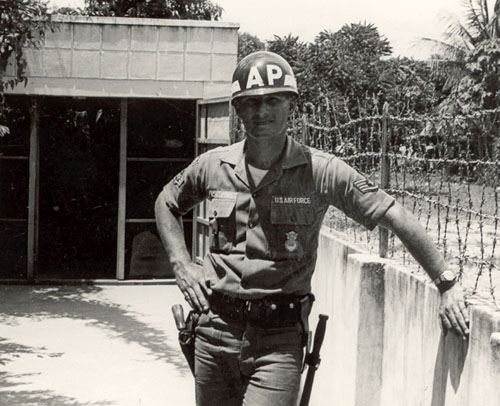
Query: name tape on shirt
222	194
365	185
291	200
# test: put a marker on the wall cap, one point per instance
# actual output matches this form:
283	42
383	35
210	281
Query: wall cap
164	22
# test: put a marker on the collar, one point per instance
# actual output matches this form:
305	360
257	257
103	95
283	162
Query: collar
294	154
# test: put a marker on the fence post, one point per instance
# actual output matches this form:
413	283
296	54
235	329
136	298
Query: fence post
384	176
304	129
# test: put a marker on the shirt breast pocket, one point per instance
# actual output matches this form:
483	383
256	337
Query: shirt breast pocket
291	226
222	224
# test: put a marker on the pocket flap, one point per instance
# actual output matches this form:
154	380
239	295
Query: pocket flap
291	214
221	208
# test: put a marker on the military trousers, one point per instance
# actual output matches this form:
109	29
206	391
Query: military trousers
240	364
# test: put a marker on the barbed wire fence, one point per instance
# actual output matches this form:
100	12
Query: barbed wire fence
444	169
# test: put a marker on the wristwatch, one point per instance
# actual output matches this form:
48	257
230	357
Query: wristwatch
445	281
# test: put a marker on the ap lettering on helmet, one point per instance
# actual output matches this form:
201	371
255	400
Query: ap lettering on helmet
262	73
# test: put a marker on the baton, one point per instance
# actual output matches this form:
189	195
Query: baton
313	359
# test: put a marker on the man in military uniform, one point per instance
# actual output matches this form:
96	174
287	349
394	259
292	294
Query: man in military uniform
267	196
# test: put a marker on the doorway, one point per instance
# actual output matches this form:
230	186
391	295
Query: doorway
78	190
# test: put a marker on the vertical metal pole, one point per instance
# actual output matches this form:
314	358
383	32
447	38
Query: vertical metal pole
122	192
384	175
196	209
33	186
304	129
232	129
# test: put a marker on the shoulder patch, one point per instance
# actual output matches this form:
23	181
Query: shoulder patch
179	179
365	185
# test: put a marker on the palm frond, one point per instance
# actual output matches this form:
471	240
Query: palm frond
452	71
437	60
477	17
455	31
450	51
494	23
485	11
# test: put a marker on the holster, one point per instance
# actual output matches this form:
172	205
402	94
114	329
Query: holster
186	338
306	304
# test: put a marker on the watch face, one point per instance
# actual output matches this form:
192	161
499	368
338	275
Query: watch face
447	276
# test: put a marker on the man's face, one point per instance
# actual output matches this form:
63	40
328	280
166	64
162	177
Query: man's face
265	115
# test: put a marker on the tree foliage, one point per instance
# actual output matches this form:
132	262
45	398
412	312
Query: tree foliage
352	68
409	86
469	56
295	52
342	65
248	43
346	62
22	24
176	9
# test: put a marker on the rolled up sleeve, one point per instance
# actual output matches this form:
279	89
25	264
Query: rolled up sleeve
186	189
348	190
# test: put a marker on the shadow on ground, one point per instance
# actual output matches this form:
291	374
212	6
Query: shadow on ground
12	396
78	303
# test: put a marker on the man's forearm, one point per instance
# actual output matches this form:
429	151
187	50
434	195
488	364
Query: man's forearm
453	311
415	239
189	276
172	235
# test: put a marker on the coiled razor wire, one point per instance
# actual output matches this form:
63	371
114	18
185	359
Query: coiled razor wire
445	169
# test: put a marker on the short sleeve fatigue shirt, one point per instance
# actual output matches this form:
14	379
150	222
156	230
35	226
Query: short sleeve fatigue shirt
263	240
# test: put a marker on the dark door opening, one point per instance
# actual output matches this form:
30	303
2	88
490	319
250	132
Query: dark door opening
160	143
78	195
14	184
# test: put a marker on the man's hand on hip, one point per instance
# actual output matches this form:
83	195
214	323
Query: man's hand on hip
453	311
191	282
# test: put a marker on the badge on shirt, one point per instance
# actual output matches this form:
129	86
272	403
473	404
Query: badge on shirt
365	185
291	243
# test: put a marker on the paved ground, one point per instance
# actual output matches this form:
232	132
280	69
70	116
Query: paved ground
91	346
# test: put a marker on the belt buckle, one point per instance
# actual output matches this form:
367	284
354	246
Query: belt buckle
248	305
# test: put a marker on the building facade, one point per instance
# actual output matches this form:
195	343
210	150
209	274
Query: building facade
113	109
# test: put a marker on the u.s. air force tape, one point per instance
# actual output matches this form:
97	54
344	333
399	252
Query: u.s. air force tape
291	200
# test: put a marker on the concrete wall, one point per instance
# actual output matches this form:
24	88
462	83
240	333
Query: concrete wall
384	344
133	57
